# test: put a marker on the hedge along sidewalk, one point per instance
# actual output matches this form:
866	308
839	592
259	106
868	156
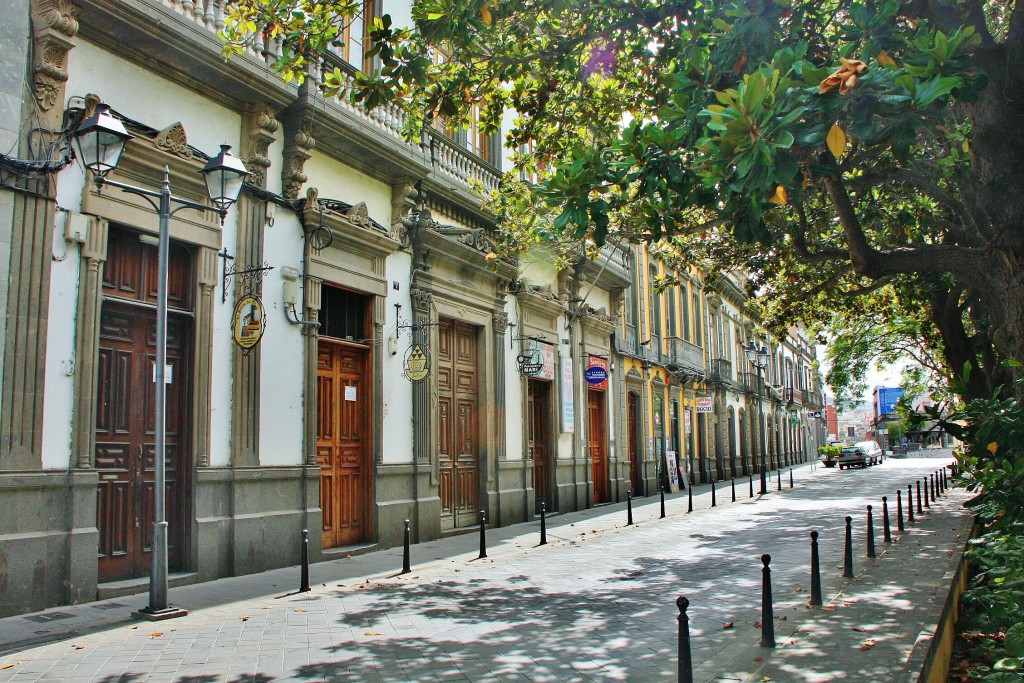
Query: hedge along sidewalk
882	624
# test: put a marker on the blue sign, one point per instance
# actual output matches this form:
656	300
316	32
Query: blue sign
888	397
595	375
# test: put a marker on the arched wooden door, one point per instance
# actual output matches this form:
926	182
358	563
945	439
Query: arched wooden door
596	434
125	412
634	443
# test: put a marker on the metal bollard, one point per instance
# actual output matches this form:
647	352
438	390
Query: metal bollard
926	493
767	618
790	477
920	509
629	507
848	552
910	503
483	535
899	512
942	480
304	573
406	558
750	478
662	502
689	495
685	665
713	501
543	524
815	572
778	474
871	533
734	489
886	530
935	487
945	480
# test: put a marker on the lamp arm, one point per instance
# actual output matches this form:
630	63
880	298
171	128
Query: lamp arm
148	195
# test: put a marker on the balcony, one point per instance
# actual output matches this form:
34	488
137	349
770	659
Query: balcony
721	371
750	384
685	354
794	396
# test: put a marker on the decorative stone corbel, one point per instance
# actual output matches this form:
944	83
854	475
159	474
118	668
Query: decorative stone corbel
297	151
173	140
404	197
56	24
260	125
499	320
422	299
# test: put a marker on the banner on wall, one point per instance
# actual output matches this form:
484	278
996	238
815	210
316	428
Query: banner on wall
568	401
597	372
704	404
673	471
688	420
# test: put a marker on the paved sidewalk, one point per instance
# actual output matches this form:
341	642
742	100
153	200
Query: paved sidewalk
596	604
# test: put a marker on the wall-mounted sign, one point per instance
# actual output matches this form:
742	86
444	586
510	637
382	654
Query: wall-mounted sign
416	363
547	354
704	404
530	362
596	373
688	421
248	322
568	401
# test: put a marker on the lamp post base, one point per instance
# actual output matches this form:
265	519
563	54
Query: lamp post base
150	614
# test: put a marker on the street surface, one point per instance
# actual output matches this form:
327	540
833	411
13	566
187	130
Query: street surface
596	604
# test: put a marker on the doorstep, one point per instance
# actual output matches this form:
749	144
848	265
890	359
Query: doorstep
115	589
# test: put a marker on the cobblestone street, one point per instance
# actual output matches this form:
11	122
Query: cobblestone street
597	603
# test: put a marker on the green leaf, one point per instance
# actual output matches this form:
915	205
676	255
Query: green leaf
1014	641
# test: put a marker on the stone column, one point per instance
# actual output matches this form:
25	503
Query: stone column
312	297
90	290
207	274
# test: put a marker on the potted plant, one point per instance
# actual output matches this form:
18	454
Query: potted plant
830	455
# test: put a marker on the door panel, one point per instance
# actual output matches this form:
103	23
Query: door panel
125	438
458	424
634	445
343	419
598	454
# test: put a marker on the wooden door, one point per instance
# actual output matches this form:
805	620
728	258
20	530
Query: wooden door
598	453
540	442
634	444
125	418
458	431
342	442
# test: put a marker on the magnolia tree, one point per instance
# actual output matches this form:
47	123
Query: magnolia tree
843	152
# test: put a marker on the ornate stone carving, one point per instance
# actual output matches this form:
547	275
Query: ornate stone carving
173	140
359	215
296	153
500	322
404	197
422	299
261	125
56	25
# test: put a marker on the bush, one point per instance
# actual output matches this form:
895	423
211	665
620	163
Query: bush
830	452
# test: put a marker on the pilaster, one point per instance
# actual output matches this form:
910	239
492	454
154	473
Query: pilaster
90	289
206	281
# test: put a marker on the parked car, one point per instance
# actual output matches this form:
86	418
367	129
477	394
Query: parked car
862	453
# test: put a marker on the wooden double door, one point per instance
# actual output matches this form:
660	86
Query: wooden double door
541	452
597	434
125	413
343	441
458	405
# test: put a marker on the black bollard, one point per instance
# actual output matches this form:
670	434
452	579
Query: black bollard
790	477
871	533
815	572
689	495
629	507
750	478
663	502
945	480
483	535
899	512
304	575
406	559
848	552
713	501
942	480
886	531
767	618
926	493
734	489
778	474
935	487
543	524
685	672
910	503
920	508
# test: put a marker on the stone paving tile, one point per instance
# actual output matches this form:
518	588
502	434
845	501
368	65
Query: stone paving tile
597	603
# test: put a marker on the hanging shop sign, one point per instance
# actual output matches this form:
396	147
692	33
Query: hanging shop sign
688	421
530	362
248	322
547	355
596	373
416	365
704	404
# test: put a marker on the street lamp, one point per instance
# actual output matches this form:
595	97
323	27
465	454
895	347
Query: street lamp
100	140
758	358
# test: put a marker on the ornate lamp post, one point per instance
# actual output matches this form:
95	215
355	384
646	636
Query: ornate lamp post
758	358
100	140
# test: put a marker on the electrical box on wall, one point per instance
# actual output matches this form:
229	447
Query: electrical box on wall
76	227
291	286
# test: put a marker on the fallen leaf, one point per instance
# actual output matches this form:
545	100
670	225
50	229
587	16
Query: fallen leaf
727	624
6	665
868	644
829	608
300	610
372	633
781	618
799	589
131	628
757	624
766	678
758	659
780	198
858	628
155	634
245	618
79	646
836	141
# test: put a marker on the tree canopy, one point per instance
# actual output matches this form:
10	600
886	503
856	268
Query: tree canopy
834	148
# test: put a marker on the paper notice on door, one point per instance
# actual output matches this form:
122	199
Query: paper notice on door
350	393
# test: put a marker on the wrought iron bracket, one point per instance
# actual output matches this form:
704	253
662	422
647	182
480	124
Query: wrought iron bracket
254	274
